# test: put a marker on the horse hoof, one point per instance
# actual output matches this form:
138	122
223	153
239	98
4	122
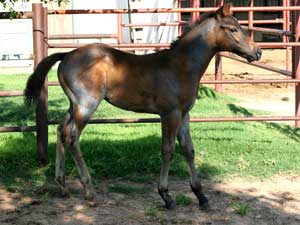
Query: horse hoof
92	203
204	205
90	196
65	193
171	205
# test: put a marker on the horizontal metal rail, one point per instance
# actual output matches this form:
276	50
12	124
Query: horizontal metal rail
157	120
18	129
11	93
165	45
267	81
81	36
171	10
27	14
268	30
257	64
274	21
203	119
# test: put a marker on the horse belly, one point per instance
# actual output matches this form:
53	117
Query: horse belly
132	100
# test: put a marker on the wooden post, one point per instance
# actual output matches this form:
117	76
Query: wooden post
38	24
296	59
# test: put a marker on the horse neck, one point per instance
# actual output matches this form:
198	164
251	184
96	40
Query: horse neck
197	49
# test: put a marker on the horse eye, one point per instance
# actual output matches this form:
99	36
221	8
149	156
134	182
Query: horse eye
233	30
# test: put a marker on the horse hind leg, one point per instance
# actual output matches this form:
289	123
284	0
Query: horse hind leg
60	156
80	115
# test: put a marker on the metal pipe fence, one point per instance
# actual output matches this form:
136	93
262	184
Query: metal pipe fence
42	41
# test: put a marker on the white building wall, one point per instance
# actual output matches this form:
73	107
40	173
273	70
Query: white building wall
16	36
99	23
162	34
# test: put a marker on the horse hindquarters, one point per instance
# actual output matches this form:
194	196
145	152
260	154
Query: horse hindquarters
84	100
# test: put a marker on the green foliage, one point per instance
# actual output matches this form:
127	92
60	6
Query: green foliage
10	5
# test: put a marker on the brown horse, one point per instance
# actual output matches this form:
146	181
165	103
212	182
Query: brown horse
163	83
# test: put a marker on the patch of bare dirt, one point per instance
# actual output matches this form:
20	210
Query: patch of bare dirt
273	201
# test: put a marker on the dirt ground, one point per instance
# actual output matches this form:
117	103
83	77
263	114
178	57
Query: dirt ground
235	201
275	201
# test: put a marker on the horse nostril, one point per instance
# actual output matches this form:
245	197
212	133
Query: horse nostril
258	53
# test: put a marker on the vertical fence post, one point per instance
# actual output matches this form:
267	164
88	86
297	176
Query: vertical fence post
296	59
46	35
286	26
195	4
120	31
250	20
218	62
42	102
179	18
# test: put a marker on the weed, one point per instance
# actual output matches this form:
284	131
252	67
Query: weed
183	200
241	208
152	211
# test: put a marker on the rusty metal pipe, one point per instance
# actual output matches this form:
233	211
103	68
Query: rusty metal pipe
80	36
170	10
11	93
42	103
17	129
203	119
296	59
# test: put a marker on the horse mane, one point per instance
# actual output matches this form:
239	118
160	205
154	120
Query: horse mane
191	26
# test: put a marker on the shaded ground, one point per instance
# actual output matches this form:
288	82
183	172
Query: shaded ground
275	201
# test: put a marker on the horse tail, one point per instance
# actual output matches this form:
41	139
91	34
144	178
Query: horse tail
37	79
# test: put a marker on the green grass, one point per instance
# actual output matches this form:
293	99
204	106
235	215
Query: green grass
183	200
152	212
133	150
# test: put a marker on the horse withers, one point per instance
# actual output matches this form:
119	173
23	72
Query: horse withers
164	83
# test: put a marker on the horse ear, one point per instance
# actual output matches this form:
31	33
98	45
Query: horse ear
225	10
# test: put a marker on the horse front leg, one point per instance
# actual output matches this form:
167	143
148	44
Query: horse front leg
169	124
186	144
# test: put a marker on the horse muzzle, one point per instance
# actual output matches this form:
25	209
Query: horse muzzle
255	56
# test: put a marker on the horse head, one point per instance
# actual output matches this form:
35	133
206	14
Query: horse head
230	36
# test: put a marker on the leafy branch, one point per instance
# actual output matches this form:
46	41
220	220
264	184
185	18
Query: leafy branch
10	5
